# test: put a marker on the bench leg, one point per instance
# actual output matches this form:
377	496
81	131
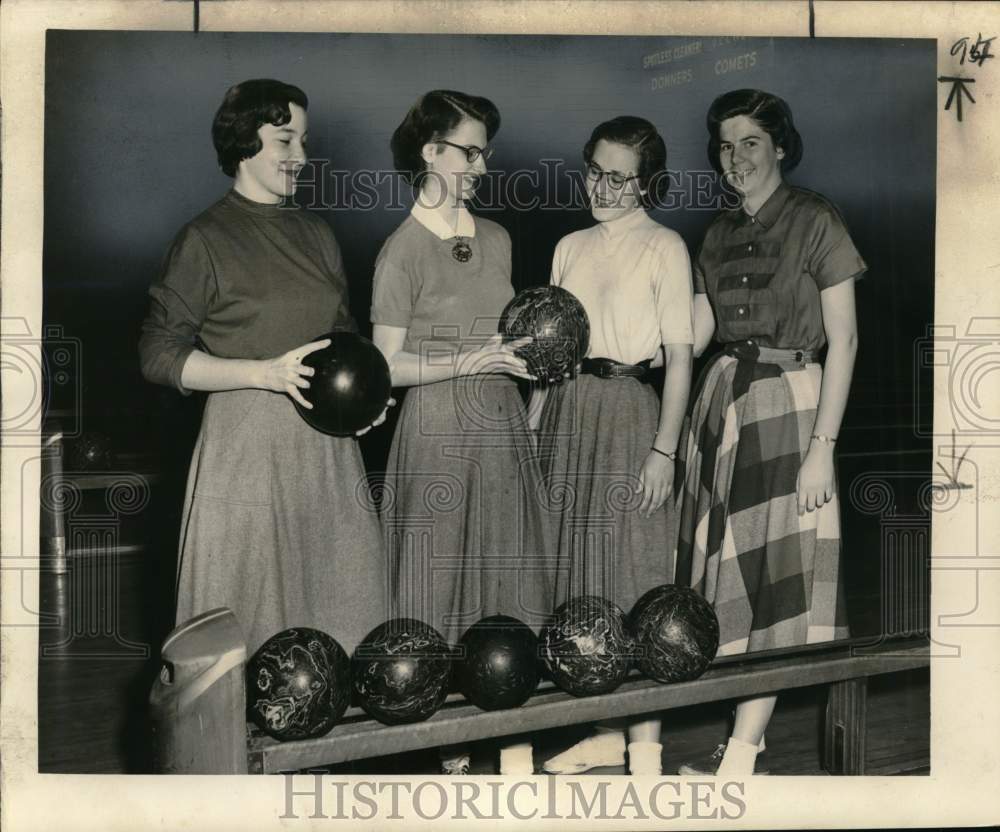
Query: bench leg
846	707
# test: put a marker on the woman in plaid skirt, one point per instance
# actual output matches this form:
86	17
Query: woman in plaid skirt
760	529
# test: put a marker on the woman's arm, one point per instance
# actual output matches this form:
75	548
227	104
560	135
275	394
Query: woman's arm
409	369
816	481
704	323
656	478
284	374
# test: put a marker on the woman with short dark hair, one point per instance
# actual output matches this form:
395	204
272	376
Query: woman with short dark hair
272	527
760	528
606	438
465	534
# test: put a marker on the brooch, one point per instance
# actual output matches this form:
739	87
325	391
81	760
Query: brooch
461	251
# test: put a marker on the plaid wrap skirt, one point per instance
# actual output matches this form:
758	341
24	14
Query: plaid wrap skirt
772	575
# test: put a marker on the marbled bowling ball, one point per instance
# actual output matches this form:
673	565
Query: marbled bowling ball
401	671
91	452
677	633
556	321
298	684
587	648
351	385
498	664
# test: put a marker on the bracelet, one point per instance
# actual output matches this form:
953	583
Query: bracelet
672	456
826	440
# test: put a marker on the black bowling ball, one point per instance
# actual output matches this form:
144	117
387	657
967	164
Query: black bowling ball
498	664
298	684
677	633
401	671
587	647
350	388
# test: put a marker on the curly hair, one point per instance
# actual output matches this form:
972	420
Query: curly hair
244	109
771	113
642	137
433	117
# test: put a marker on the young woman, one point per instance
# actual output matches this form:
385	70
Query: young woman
759	533
271	526
460	512
606	440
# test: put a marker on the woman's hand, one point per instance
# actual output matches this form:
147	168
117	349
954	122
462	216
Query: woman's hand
656	482
287	373
379	420
495	356
815	485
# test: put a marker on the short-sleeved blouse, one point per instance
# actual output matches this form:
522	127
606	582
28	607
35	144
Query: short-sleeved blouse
633	276
764	274
421	286
243	280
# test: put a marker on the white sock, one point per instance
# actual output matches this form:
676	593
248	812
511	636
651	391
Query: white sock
739	759
517	759
645	758
761	745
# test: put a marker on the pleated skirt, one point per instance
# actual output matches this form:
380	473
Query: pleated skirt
772	575
594	436
279	524
461	508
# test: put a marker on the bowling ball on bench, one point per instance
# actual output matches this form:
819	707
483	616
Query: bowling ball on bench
676	631
350	388
498	663
557	322
587	647
401	671
298	684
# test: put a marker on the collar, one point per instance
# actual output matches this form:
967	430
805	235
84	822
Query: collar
616	227
769	212
433	220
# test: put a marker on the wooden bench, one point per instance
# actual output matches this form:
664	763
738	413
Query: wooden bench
198	716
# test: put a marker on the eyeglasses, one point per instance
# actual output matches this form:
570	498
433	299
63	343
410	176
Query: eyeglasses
472	153
615	180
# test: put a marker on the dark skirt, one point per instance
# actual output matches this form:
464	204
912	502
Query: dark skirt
595	435
460	508
278	524
772	576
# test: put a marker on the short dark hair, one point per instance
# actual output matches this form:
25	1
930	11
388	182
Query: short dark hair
245	108
643	138
433	117
772	114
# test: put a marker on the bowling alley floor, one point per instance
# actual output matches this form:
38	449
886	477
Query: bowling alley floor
95	677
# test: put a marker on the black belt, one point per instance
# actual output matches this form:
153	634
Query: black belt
606	368
752	351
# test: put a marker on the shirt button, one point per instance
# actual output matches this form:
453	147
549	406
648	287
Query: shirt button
749	343
750	247
740	310
743	279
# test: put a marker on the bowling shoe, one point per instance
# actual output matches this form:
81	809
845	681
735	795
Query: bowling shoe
709	766
455	759
606	748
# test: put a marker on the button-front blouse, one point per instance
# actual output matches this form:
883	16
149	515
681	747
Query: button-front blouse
764	274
